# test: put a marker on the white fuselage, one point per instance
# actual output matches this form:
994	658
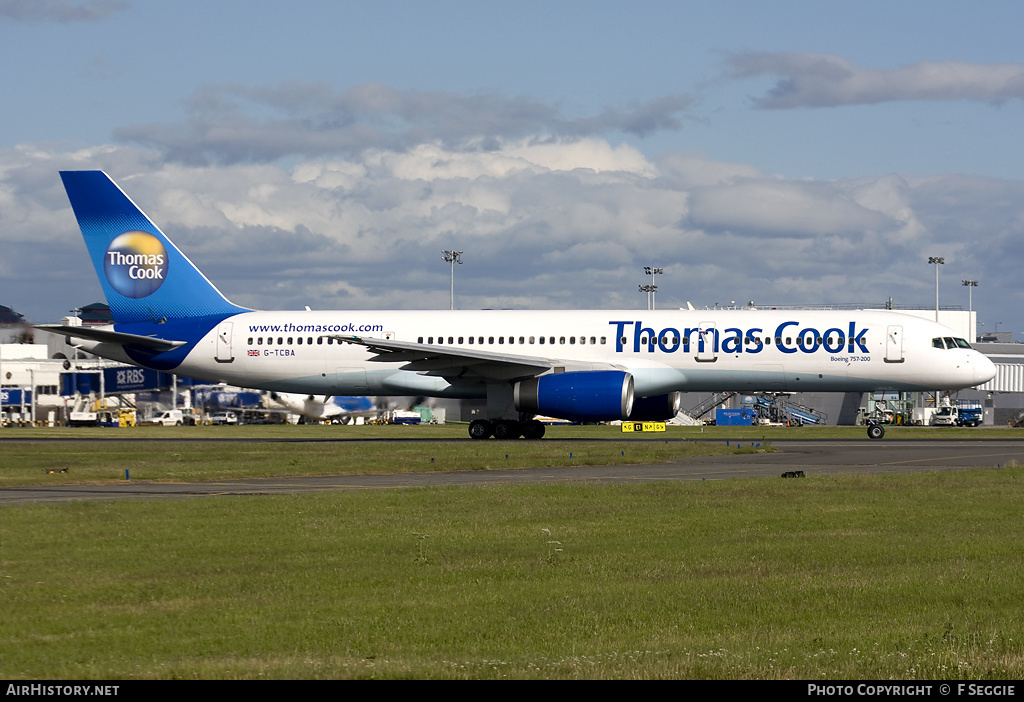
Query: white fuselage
665	350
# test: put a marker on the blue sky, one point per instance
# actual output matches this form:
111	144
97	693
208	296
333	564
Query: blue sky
784	152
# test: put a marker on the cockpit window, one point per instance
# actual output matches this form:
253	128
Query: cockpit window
948	342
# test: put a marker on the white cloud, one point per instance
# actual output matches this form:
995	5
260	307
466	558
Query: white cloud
772	206
237	123
822	80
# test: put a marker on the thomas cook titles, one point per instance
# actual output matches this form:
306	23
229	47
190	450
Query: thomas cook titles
135	264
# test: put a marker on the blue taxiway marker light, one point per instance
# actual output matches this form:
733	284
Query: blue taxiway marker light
126	474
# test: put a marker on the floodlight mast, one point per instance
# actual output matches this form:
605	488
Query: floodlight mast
452	257
652	288
970	284
938	261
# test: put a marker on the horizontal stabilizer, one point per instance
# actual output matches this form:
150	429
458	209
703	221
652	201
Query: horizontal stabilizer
113	337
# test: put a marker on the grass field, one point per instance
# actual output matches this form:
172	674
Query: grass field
913	576
221	452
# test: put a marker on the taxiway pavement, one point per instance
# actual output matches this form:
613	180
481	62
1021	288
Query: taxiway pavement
810	456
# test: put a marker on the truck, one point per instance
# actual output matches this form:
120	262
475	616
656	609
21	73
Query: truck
958	415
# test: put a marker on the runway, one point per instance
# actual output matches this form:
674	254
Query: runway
813	457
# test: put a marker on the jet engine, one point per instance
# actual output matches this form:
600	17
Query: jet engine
655	409
581	396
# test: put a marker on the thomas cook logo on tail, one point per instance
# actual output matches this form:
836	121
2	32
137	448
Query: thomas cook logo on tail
135	264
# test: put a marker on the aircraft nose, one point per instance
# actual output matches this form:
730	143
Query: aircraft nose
984	369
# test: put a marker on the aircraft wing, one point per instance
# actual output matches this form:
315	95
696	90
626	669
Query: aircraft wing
461	363
112	337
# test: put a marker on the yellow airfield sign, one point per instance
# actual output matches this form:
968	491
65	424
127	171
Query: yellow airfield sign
631	427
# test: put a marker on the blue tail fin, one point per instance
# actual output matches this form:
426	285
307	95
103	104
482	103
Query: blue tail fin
144	275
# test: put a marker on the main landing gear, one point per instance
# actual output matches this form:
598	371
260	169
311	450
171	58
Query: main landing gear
876	431
506	429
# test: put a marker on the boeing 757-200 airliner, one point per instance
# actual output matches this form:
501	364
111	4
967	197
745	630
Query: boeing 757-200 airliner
596	365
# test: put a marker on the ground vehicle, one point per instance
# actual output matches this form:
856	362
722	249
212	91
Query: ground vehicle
957	416
224	418
168	418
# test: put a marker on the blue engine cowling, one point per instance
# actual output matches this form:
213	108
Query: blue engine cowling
581	396
655	409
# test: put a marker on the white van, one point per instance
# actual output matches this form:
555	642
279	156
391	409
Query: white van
170	418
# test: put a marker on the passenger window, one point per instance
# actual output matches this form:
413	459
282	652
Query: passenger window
460	339
542	340
531	339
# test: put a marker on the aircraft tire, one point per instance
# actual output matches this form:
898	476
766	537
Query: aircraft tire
479	429
533	429
507	429
876	431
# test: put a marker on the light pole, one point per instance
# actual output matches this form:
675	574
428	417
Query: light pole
650	290
452	257
938	261
970	285
651	271
970	302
